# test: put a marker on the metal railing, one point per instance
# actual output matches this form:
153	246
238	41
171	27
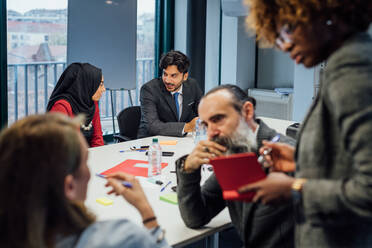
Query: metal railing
30	85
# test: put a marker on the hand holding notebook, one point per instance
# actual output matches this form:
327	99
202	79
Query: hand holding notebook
236	170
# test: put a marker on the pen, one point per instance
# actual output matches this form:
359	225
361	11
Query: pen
261	158
125	183
134	149
162	189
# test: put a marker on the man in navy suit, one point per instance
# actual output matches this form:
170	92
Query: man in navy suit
169	104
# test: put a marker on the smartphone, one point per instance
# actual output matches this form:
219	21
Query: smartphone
167	154
164	154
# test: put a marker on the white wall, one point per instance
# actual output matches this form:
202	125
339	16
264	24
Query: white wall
229	49
212	45
237	53
245	56
180	25
303	91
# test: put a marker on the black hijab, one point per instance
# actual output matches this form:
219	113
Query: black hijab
77	85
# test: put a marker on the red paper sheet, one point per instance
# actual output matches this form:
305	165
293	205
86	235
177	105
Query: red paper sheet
128	166
236	170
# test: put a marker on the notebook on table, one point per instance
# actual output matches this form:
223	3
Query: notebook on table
133	167
234	171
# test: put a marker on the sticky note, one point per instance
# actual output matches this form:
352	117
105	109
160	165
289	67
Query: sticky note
170	198
104	201
168	142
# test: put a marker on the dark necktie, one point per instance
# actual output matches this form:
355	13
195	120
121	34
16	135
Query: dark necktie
175	95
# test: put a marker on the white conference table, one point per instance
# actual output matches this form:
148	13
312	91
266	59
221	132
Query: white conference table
177	234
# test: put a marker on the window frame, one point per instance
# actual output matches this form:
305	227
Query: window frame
3	66
164	30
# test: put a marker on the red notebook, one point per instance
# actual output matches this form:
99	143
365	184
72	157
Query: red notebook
133	167
234	171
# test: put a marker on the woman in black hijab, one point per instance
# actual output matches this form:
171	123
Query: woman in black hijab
77	92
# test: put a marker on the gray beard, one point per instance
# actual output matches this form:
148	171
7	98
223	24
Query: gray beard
242	140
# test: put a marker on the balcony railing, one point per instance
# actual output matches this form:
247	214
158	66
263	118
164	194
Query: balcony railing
30	85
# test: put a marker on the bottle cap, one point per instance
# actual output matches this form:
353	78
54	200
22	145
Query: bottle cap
155	140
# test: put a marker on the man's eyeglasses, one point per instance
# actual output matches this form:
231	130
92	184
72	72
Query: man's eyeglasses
284	36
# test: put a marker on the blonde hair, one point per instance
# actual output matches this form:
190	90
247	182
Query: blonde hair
36	154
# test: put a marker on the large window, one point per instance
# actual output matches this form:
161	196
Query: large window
37	48
145	42
37	32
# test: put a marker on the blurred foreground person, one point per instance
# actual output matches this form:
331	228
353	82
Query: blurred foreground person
332	191
43	185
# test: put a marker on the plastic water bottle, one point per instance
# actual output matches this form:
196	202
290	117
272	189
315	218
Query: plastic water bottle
195	133
200	133
154	157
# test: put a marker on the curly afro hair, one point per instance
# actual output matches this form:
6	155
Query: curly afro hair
265	14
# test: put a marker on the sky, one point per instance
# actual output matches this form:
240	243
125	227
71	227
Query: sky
26	5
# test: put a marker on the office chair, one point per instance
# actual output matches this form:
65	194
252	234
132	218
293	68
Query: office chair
128	121
292	130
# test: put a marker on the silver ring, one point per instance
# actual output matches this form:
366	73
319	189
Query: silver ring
205	149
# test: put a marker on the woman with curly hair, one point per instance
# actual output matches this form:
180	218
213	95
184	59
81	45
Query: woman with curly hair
332	191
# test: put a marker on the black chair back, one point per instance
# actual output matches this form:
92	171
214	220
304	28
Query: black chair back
129	121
